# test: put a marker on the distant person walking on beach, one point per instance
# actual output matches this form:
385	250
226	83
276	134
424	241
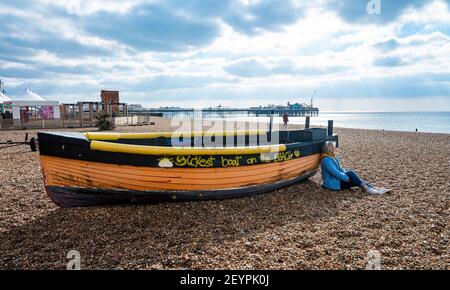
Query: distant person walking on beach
285	121
336	178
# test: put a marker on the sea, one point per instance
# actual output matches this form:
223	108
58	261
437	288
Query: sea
433	122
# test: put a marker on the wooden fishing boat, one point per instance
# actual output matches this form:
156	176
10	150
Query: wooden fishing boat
85	169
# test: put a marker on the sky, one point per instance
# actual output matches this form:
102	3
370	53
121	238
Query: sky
357	55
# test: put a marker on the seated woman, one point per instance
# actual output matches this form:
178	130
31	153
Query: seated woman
335	177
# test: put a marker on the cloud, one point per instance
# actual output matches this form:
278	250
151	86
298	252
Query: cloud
390	61
222	51
414	28
62	89
407	86
164	82
181	25
248	67
356	10
21	72
247	17
262	15
152	27
388	45
53	43
10	52
24	33
251	67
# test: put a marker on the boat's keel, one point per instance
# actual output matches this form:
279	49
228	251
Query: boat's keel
80	197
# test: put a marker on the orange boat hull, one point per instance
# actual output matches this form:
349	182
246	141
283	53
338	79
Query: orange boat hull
67	176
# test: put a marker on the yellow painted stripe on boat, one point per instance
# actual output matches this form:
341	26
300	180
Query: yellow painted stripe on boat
161	150
152	135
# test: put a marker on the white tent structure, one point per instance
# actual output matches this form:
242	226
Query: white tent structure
31	100
28	95
4	98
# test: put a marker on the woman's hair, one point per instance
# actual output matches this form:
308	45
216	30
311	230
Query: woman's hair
328	143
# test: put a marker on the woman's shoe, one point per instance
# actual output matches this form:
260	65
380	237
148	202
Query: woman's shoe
384	190
374	191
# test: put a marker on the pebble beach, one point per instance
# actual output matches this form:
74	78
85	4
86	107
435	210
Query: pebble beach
297	227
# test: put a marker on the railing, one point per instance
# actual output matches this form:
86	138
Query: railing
227	112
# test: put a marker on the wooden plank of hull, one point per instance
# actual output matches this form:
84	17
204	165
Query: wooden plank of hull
69	172
137	180
196	177
174	184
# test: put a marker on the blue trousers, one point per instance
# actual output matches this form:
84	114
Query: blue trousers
355	180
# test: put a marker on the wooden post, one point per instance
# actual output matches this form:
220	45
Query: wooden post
307	122
91	111
330	127
80	108
62	114
271	125
21	118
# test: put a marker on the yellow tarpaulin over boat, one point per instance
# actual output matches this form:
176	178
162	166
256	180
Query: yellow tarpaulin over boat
162	150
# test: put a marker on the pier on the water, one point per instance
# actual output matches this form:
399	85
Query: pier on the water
228	112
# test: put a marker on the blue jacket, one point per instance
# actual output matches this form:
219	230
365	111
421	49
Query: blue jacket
332	173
